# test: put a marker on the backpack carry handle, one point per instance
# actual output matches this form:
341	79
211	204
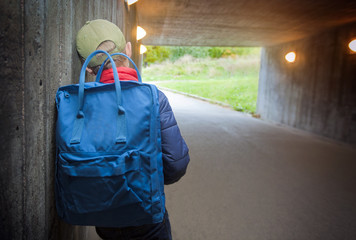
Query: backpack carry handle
98	75
79	121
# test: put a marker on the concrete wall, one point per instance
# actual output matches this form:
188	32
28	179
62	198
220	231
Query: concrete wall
317	93
37	44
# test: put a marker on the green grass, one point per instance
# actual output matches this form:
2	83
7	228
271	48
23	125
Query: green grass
232	80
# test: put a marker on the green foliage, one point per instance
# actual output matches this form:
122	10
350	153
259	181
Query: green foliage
197	52
216	52
158	54
232	79
240	94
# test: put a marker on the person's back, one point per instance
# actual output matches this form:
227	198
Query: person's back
103	35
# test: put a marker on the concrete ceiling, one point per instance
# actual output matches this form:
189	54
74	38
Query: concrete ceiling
239	22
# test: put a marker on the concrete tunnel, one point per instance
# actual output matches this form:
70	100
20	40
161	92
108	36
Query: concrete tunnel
316	93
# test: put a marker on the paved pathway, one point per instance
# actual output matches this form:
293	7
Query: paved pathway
249	179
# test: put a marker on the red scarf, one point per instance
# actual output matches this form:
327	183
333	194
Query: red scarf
125	74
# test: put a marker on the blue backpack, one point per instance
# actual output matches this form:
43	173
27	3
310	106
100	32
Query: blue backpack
109	169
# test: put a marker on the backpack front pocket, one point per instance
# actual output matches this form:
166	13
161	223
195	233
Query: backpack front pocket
93	182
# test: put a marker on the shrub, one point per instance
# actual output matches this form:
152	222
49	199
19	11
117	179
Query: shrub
156	54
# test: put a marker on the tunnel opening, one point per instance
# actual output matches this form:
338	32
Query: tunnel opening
224	75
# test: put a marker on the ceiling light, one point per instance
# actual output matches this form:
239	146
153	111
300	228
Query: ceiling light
352	45
143	49
290	57
141	33
129	2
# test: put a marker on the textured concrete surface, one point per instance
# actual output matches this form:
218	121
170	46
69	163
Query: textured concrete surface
317	92
37	44
239	22
12	125
249	179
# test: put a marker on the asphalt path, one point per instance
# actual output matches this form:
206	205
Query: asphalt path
253	180
249	179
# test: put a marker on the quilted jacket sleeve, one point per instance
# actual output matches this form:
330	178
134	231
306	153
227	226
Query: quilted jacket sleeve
174	149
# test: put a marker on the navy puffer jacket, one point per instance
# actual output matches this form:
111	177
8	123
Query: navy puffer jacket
175	152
